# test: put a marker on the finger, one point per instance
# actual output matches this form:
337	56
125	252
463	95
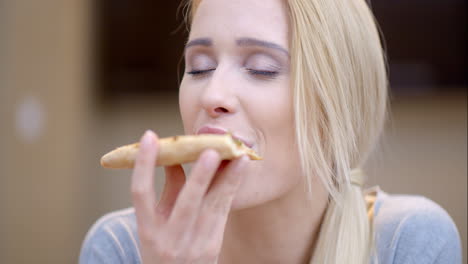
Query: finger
142	187
175	180
187	206
226	183
217	205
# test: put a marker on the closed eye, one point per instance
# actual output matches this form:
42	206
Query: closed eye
265	73
260	73
200	72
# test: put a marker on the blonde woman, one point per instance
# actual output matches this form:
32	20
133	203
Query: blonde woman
303	82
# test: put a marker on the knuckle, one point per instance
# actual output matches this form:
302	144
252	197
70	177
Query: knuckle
186	211
169	254
139	190
192	195
211	253
199	181
146	237
219	205
193	255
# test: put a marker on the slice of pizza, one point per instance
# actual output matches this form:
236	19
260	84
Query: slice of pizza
181	149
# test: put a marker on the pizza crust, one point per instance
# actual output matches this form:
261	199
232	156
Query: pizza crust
179	150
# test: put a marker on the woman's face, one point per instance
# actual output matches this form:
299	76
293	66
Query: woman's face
237	79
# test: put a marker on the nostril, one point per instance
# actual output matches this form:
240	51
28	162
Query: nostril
221	110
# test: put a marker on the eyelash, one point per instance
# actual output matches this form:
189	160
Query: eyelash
200	72
266	74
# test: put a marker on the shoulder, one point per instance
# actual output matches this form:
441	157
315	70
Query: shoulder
112	239
414	229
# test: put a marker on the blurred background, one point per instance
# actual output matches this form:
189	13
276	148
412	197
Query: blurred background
78	78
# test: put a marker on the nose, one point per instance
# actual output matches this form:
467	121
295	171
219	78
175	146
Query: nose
218	97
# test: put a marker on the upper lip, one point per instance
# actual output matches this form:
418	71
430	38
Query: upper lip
222	131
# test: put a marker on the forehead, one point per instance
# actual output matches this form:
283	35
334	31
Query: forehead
231	19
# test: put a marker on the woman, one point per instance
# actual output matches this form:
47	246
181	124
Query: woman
303	82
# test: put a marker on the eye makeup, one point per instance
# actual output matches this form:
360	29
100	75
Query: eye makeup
262	65
200	63
254	61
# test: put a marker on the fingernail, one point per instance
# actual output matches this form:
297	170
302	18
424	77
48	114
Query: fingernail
147	139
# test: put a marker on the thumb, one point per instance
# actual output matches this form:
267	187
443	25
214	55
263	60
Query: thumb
175	180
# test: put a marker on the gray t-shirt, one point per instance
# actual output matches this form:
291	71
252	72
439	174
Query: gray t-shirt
408	229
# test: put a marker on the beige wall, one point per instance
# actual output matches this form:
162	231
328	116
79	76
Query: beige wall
43	53
52	187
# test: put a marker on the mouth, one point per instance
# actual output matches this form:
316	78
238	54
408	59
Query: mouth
222	131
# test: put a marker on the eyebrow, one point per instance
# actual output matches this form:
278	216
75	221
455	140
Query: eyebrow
199	42
261	43
207	42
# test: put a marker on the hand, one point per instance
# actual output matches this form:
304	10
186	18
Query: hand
187	224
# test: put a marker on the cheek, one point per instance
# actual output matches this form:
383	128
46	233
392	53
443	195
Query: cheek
280	144
274	115
280	170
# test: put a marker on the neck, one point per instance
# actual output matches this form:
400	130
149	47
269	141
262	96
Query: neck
281	231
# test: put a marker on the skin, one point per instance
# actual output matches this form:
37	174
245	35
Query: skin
238	79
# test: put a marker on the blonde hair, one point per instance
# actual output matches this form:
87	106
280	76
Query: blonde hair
339	79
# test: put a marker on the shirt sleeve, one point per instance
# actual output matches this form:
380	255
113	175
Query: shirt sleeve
415	229
110	240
